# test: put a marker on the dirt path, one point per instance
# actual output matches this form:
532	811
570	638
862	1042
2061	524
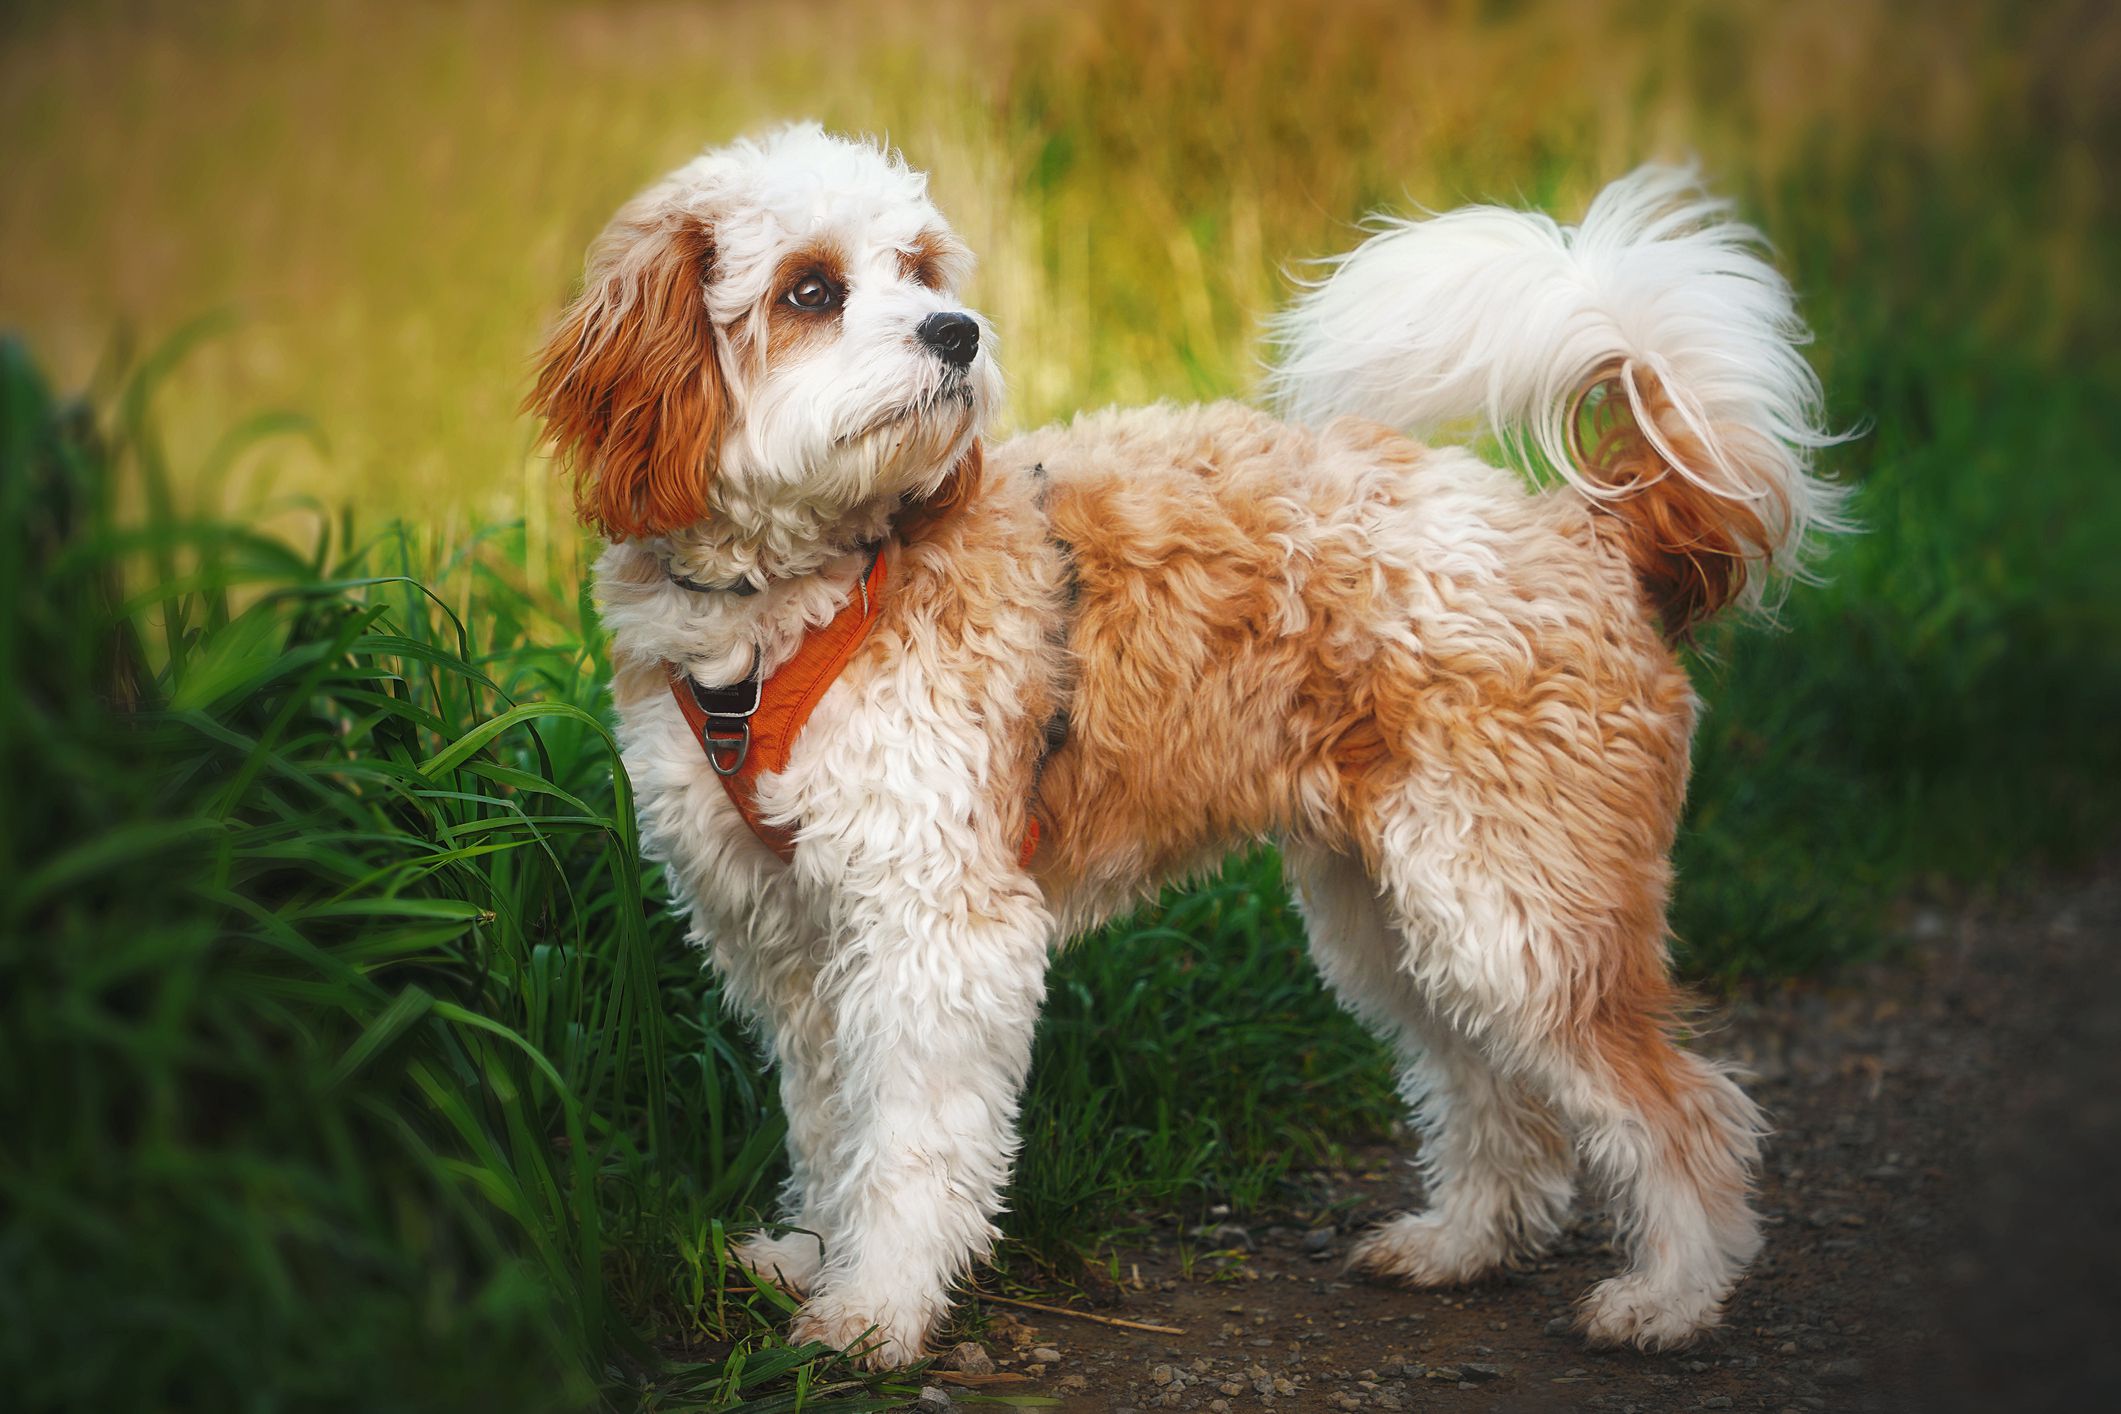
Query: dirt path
1943	1195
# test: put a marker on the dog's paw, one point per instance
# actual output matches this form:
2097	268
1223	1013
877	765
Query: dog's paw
1421	1249
1633	1310
872	1339
790	1262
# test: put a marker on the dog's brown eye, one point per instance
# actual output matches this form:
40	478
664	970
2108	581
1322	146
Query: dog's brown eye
813	292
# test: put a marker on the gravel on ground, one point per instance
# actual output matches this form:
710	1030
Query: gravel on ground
1944	1226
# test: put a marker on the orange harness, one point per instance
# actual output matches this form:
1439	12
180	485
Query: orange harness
749	728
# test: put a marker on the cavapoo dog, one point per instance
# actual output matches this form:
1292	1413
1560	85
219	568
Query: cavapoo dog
905	711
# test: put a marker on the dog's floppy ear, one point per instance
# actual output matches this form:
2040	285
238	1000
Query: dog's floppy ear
629	384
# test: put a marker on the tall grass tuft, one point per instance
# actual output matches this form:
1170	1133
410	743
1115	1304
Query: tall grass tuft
352	1057
345	1065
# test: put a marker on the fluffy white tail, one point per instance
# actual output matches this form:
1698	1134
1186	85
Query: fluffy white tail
1650	354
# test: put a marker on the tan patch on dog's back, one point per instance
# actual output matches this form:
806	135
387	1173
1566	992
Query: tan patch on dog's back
1219	584
1280	631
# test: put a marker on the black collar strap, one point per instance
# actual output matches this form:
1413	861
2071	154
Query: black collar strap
738	700
742	588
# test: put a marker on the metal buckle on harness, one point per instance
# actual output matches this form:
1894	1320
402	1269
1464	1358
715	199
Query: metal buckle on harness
734	723
715	745
868	568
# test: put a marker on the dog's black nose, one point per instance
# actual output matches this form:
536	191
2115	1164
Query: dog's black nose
955	337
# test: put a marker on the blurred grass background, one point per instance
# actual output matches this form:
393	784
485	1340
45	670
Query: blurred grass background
344	1066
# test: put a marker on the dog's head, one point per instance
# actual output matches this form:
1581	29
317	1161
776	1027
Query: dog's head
774	325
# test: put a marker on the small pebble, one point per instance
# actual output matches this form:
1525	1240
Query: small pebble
1045	1354
1839	1372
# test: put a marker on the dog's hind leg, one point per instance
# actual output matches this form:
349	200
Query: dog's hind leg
1675	1140
1497	1167
1545	942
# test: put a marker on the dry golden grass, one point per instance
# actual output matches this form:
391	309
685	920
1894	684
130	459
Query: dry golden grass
393	201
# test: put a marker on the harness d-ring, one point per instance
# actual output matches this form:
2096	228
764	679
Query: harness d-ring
717	745
725	726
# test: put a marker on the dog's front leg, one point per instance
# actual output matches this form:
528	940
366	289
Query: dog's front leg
933	989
